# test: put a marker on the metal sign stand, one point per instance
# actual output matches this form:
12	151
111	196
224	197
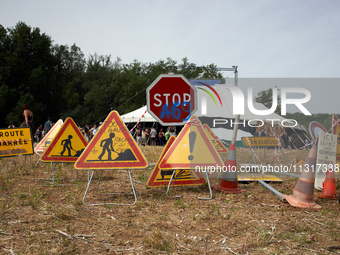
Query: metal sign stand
88	186
5	161
203	198
52	178
39	158
13	162
30	160
52	174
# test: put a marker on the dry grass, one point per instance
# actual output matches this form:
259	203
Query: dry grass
37	217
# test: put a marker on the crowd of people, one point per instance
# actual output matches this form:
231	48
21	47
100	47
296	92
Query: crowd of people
144	136
89	132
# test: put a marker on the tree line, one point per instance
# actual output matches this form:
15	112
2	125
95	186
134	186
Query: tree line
58	81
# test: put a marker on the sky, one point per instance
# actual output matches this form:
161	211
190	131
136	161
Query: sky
264	38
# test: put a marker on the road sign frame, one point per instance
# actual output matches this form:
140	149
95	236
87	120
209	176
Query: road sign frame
173	109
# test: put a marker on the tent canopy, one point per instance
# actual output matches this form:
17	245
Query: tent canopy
139	115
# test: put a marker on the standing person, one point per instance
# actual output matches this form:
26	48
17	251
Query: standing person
11	125
167	134
48	125
138	135
28	119
93	130
143	137
147	135
263	133
153	136
87	129
172	131
161	137
38	133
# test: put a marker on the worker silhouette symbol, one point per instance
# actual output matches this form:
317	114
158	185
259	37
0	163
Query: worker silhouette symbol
67	146
107	145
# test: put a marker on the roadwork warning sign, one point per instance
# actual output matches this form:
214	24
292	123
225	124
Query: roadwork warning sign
112	147
67	145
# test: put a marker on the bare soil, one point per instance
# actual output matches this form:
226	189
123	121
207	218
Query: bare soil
39	217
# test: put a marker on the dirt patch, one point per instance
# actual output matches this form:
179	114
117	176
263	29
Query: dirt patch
38	217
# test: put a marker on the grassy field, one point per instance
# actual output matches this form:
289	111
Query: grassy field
38	217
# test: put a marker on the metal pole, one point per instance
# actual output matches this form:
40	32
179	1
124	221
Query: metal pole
273	190
237	118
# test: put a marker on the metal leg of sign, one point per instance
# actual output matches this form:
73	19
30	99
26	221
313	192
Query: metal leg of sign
207	198
284	155
252	155
100	177
30	157
52	173
5	161
88	186
38	160
172	176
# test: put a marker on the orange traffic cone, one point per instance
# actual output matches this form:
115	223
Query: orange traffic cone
303	192
229	183
329	187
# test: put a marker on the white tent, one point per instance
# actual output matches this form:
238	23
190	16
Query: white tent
139	115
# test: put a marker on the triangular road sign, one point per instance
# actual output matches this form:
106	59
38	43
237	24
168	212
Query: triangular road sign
112	147
46	141
192	149
161	177
67	145
215	140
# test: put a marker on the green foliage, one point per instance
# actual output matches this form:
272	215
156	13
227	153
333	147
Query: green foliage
324	119
265	97
57	81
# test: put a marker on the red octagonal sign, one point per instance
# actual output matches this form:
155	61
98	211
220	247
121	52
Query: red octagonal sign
171	99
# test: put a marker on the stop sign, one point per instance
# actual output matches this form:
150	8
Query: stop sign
171	99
